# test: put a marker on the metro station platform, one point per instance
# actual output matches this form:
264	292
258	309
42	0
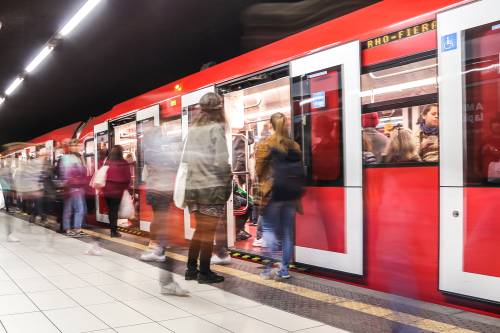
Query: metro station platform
49	284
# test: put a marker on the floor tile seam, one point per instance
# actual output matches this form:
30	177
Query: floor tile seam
310	328
36	306
251	277
227	329
61	290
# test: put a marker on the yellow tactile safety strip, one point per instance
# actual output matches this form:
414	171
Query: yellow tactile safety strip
377	311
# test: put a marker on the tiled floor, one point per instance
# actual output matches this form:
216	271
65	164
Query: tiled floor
47	284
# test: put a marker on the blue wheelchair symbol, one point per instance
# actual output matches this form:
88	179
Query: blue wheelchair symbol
449	42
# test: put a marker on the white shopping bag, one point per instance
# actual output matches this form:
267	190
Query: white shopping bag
127	209
98	181
2	199
181	181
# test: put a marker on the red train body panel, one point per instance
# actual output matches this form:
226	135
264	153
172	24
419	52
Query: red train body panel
401	204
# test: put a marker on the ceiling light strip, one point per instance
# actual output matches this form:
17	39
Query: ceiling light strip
79	16
13	86
38	59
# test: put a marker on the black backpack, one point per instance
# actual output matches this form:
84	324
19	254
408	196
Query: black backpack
288	175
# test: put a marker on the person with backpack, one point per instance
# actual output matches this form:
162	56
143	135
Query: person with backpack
280	172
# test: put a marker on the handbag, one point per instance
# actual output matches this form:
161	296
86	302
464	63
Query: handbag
98	180
181	181
127	208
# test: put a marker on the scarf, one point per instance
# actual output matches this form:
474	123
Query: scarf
429	130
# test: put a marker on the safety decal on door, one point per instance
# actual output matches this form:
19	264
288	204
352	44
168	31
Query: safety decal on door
449	42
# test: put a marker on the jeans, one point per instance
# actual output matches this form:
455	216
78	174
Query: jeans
202	243
279	218
74	205
113	207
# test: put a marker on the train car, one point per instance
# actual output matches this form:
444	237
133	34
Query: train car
420	224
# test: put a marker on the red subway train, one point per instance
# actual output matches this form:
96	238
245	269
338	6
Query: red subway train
411	213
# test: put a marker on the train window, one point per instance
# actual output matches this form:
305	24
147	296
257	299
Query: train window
317	101
482	105
89	147
401	135
102	147
404	81
400	114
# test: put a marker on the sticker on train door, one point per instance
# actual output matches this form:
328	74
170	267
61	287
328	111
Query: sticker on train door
449	42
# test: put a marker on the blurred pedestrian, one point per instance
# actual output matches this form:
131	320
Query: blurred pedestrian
161	160
208	185
118	179
73	175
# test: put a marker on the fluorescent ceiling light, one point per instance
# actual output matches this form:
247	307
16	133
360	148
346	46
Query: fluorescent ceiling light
79	16
39	58
13	86
2	99
399	87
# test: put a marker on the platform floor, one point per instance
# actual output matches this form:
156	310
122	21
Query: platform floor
48	284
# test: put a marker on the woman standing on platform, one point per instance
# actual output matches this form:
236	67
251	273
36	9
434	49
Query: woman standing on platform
279	168
118	180
208	184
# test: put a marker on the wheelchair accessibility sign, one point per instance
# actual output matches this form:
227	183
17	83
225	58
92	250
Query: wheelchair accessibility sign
449	42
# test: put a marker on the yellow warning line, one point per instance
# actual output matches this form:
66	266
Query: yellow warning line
377	311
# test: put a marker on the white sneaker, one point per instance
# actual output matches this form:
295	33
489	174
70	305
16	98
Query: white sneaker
12	238
259	243
94	250
173	288
216	260
152	256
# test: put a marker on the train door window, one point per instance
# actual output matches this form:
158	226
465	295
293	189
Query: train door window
102	147
88	153
142	127
317	100
400	112
482	105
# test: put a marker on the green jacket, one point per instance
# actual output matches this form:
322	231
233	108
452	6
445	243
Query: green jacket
209	172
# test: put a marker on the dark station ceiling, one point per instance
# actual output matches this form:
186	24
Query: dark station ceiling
127	47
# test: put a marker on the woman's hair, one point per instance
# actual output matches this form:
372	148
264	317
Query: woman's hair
367	144
425	111
116	153
281	138
212	110
401	146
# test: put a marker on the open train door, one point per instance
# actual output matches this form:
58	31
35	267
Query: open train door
189	104
101	142
469	94
327	125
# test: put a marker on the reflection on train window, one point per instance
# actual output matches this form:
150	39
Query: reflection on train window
404	81
401	135
482	106
102	147
88	154
318	125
